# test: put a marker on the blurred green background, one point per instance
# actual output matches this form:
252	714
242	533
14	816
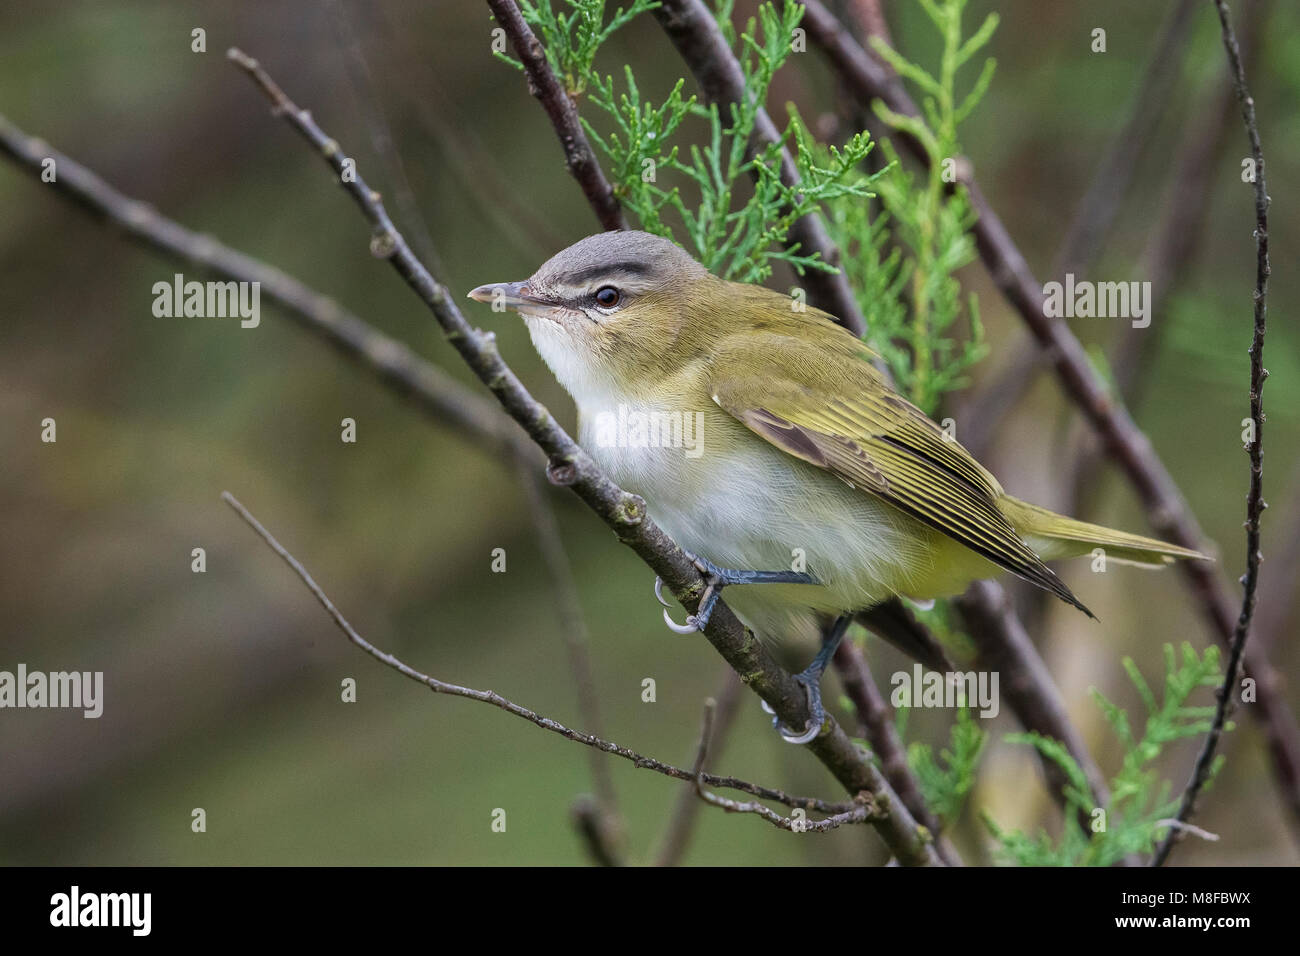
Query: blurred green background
223	688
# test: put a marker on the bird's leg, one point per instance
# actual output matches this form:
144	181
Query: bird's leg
716	579
810	679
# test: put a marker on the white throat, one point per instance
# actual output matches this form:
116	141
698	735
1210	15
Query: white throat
588	384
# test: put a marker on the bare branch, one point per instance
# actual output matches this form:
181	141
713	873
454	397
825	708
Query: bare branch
1006	648
876	717
408	375
861	812
623	512
546	86
510	707
1255	449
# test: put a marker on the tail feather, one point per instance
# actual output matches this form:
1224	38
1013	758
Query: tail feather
1056	536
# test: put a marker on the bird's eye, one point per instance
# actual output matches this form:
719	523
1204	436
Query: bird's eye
607	297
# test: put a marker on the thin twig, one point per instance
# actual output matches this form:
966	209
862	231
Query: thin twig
1255	449
861	812
877	719
405	373
496	700
1177	824
579	159
624	513
1005	647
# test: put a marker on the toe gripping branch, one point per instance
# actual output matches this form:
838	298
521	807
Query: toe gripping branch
716	579
810	679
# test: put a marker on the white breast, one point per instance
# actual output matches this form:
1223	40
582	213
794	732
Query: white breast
762	509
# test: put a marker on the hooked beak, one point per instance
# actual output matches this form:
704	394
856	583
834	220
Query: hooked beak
512	295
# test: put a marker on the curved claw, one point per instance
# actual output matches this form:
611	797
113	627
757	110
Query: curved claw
817	714
815	728
766	706
690	627
659	592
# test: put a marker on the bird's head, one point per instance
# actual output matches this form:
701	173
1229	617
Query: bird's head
609	311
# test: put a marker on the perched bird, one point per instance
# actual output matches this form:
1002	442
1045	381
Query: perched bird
767	444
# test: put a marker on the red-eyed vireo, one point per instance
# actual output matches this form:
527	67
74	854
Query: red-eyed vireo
767	444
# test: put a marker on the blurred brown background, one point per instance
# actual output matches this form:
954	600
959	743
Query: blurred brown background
222	689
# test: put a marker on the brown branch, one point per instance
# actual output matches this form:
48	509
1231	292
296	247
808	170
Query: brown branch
405	373
870	18
641	761
694	31
1255	449
863	810
579	159
876	718
1121	439
624	513
1005	647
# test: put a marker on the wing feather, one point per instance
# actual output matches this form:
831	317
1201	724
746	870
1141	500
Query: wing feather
876	441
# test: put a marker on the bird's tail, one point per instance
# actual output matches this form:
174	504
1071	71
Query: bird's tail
1056	536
